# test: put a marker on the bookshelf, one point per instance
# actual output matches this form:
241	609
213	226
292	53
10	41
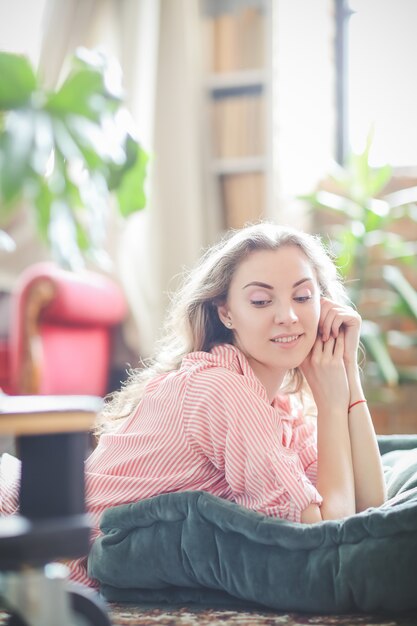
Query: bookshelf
237	44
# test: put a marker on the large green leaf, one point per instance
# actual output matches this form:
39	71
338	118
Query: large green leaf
42	201
62	236
401	197
379	177
83	94
395	248
43	143
131	193
396	279
348	247
16	144
66	151
65	143
17	80
99	139
92	88
376	214
107	66
335	203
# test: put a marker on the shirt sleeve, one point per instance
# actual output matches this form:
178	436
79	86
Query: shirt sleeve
305	444
304	438
241	434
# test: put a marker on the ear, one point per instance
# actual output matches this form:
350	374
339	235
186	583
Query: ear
224	315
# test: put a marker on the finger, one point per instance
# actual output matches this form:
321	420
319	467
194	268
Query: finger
335	318
328	346
327	326
326	317
318	345
349	314
339	346
336	325
314	352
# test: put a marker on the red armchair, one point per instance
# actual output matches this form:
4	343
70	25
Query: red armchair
61	332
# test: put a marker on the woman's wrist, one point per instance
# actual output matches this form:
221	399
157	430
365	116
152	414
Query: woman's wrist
356	403
355	383
352	369
332	411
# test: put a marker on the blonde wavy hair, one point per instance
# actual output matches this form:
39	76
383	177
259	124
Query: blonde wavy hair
193	323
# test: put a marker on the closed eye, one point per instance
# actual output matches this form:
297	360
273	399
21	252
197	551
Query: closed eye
302	298
260	303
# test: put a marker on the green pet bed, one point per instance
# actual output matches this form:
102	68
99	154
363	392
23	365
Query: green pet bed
194	547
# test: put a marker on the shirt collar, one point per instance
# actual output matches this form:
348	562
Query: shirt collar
235	360
232	358
229	356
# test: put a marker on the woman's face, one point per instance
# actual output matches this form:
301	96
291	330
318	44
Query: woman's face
273	306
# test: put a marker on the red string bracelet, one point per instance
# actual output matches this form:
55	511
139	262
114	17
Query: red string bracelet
355	403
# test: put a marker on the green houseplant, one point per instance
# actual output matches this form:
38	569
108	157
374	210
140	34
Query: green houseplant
68	153
372	233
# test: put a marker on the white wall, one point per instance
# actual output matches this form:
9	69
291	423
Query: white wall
21	26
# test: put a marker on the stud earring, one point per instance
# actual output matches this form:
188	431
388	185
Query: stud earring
229	324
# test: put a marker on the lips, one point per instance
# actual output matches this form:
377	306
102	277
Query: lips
285	339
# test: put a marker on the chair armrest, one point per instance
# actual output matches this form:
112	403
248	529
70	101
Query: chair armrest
75	298
47	294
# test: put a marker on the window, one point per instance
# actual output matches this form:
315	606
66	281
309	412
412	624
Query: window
376	52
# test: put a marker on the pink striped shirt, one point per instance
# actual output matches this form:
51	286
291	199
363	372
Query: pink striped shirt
207	426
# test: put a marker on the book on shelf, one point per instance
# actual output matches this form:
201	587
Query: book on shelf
238	123
236	40
244	198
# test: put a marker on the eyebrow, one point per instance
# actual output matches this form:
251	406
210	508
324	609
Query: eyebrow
256	283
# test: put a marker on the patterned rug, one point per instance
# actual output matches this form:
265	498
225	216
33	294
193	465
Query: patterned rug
129	615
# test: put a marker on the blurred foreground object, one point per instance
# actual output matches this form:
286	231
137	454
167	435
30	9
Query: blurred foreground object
52	524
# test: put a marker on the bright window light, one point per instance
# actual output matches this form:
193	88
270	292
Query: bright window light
21	27
381	81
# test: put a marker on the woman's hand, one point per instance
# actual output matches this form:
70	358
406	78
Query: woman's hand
369	484
332	381
325	372
336	317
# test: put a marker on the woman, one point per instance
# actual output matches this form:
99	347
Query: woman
259	326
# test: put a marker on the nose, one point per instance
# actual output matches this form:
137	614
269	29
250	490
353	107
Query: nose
285	314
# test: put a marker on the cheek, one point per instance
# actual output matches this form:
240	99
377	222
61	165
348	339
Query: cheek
312	329
316	311
313	317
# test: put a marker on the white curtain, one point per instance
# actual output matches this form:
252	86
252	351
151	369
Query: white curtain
66	26
157	43
171	234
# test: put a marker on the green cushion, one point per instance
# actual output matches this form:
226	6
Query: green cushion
195	547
